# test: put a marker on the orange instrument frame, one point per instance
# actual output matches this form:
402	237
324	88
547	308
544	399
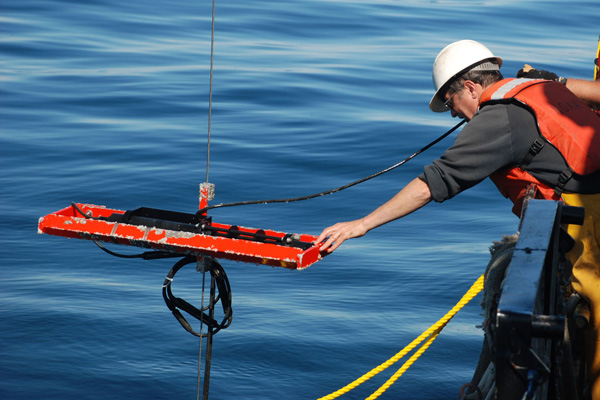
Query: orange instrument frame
202	238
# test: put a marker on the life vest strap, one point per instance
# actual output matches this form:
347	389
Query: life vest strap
563	178
534	149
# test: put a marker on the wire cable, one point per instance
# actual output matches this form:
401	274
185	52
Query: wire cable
199	376
312	196
212	51
147	255
212	48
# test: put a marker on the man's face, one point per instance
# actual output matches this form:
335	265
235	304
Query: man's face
464	102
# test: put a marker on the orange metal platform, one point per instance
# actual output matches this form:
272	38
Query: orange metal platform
236	244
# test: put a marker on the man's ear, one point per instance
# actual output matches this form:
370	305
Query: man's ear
472	89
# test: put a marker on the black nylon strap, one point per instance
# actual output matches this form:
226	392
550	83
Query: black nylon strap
175	304
534	149
563	178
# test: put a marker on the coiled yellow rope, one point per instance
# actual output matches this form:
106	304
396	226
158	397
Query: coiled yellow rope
430	334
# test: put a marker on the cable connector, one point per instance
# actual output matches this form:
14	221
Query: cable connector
207	193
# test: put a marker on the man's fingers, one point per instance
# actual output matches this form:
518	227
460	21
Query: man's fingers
333	242
327	232
334	236
321	237
334	245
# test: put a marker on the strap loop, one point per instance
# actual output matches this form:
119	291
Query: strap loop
175	303
563	178
534	149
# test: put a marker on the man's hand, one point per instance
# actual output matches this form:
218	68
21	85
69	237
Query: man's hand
338	233
414	196
529	72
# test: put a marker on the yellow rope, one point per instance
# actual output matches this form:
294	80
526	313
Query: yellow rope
430	333
596	68
405	366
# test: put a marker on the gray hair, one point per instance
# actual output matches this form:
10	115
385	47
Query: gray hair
483	77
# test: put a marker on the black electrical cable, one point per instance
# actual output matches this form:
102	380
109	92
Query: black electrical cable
164	254
80	211
147	255
175	303
312	196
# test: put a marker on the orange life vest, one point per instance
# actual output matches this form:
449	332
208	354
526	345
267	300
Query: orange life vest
564	121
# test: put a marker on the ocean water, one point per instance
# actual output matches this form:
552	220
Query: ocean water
106	102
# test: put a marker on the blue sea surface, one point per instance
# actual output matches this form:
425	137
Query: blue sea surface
106	102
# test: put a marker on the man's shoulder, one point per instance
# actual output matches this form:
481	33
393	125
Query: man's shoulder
503	113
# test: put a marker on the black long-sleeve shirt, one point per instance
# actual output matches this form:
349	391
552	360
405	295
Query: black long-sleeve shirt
498	136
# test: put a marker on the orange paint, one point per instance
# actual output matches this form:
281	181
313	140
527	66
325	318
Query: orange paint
68	222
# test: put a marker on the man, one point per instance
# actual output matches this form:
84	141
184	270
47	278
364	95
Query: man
502	141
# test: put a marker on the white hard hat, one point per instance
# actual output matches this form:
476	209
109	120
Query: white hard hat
456	59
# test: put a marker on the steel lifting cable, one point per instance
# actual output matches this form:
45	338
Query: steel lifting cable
199	369
210	90
294	199
430	334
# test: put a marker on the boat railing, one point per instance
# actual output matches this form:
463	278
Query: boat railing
530	326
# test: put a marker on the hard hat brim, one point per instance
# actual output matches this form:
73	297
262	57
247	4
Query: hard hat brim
437	104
